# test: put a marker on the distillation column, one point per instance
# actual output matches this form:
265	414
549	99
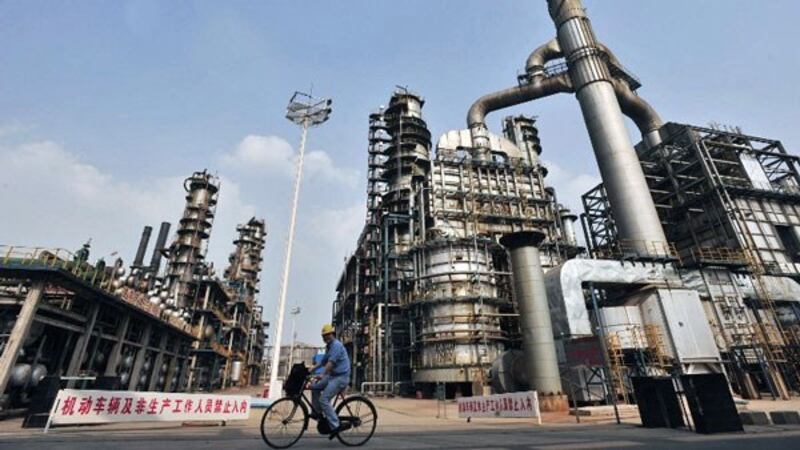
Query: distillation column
406	165
194	229
242	276
634	210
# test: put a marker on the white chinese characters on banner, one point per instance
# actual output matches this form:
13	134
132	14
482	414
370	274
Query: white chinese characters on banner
515	404
75	406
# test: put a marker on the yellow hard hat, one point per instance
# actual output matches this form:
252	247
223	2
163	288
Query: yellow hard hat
327	329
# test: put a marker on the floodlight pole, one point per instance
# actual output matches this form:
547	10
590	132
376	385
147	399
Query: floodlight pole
294	312
276	352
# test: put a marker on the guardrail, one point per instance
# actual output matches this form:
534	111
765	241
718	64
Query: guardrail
392	387
98	277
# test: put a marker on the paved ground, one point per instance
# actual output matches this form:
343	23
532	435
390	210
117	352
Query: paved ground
501	437
410	424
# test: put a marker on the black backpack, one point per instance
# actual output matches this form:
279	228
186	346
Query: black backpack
296	381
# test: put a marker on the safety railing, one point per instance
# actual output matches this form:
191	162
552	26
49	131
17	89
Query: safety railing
638	249
386	387
18	256
54	258
720	255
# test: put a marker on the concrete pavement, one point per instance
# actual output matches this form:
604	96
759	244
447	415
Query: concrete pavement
500	437
405	424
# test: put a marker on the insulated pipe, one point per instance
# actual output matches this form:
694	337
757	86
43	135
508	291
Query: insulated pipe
139	258
538	344
628	193
509	97
161	242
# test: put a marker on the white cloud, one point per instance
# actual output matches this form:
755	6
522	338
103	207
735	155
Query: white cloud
13	128
265	153
569	186
339	228
51	198
273	155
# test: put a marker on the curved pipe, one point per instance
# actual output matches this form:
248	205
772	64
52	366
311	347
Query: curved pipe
515	96
549	51
642	113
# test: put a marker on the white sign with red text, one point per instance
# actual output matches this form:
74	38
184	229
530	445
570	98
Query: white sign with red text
515	404
73	406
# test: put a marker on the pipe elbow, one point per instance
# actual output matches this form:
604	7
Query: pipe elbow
642	113
516	95
477	112
538	58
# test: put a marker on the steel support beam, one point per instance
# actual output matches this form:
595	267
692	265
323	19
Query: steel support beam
139	361
156	372
82	343
21	328
116	351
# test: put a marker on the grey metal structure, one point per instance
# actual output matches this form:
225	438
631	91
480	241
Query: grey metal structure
534	311
187	252
160	247
693	236
427	296
246	338
140	251
728	204
63	316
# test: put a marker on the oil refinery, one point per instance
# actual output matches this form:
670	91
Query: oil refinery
470	276
468	272
145	327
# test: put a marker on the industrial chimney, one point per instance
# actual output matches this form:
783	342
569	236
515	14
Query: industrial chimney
622	175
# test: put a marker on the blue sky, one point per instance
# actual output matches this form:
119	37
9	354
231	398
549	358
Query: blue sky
105	106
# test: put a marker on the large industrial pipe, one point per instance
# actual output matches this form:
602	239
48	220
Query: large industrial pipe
643	115
542	87
139	258
549	51
534	311
161	242
628	193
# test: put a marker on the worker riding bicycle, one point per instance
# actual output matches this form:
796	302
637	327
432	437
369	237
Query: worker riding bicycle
335	378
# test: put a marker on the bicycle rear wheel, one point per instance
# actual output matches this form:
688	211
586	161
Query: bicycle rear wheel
284	422
360	414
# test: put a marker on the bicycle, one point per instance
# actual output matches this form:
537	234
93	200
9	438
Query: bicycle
285	421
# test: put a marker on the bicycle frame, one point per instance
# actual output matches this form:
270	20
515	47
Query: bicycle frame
310	405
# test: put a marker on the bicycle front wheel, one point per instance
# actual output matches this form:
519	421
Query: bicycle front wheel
359	413
284	422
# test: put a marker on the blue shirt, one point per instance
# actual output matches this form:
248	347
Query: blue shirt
317	360
337	355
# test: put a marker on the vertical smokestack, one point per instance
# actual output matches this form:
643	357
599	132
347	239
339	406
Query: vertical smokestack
137	261
534	311
568	225
628	193
161	241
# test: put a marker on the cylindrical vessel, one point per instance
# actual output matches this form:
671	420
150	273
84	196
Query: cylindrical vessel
236	371
161	242
534	312
634	211
568	226
458	330
194	229
139	258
